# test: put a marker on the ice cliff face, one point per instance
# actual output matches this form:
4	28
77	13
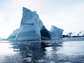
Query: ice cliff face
56	33
32	28
31	18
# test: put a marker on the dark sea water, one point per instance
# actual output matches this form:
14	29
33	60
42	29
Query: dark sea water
68	50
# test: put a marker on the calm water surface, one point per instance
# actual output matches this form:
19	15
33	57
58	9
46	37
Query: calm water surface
26	52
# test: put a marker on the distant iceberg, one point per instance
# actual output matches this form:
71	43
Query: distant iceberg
72	34
32	28
81	33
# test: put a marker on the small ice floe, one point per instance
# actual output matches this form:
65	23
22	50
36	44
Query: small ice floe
42	61
51	62
66	62
28	59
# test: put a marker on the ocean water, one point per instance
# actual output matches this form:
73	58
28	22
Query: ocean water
67	50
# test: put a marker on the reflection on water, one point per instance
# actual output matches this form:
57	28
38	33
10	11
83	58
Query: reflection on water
72	48
5	50
58	52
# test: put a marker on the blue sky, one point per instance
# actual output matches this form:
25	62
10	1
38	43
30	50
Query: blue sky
65	14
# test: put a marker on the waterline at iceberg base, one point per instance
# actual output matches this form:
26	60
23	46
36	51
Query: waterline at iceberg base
32	28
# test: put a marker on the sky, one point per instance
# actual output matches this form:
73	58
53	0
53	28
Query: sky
64	14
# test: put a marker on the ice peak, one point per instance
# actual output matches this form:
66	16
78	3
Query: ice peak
26	10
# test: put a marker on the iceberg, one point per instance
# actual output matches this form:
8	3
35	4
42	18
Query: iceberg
56	33
32	28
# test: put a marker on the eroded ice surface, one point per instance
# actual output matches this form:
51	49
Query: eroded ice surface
72	34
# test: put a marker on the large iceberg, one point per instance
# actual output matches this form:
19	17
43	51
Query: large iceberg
32	28
56	33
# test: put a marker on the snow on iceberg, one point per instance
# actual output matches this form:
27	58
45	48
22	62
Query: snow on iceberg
56	33
32	28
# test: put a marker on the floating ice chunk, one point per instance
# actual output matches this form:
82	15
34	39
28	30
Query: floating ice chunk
42	61
30	55
51	62
66	62
29	59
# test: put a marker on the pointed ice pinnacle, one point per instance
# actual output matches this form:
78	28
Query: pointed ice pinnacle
30	26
